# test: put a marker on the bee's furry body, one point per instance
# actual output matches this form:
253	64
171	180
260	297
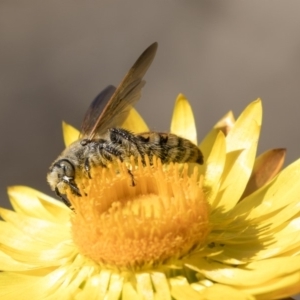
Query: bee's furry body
120	144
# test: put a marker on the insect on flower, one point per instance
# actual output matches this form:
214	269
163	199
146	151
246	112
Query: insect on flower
101	140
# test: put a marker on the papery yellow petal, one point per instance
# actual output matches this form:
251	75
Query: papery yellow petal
91	289
34	252
96	286
265	168
7	263
32	203
161	286
33	249
258	239
226	123
12	237
278	288
37	254
281	265
68	279
183	122
283	240
23	287
181	289
134	122
38	229
104	278
75	280
129	292
214	168
241	144
270	197
208	142
252	274
115	287
220	291
60	284
70	134
144	286
287	215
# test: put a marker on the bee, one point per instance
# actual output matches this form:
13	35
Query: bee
102	142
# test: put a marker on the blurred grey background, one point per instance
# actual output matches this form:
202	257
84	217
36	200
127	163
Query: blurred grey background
57	55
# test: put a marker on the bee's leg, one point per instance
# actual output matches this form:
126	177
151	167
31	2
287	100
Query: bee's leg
107	150
62	197
132	177
129	141
87	167
73	186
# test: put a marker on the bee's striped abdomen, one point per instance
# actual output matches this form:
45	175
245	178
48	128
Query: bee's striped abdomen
170	147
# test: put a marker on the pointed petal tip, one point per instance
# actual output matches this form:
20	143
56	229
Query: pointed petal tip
70	133
226	123
180	96
183	122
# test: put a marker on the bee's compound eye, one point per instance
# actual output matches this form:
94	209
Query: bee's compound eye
67	168
60	169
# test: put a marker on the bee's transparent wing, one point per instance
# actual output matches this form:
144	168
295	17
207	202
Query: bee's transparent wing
113	111
95	109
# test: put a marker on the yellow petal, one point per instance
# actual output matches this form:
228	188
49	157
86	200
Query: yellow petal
37	254
280	192
208	142
243	248
134	122
38	229
93	288
226	123
241	144
214	168
287	215
23	287
144	286
70	133
161	286
182	290
96	286
183	123
220	291
129	292
32	203
282	240
265	168
115	287
278	288
250	275
7	263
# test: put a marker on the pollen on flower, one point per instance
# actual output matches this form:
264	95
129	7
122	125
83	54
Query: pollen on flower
162	215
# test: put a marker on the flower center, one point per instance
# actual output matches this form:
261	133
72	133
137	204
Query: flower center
146	216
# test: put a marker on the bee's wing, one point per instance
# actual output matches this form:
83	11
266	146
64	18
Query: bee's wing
95	109
111	107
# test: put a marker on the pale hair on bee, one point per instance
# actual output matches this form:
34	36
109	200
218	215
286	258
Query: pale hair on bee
102	142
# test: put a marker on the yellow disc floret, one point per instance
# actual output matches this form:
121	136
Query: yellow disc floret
132	219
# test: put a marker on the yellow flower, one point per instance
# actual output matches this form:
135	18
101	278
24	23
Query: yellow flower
226	230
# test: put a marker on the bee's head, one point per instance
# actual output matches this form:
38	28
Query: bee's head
61	177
